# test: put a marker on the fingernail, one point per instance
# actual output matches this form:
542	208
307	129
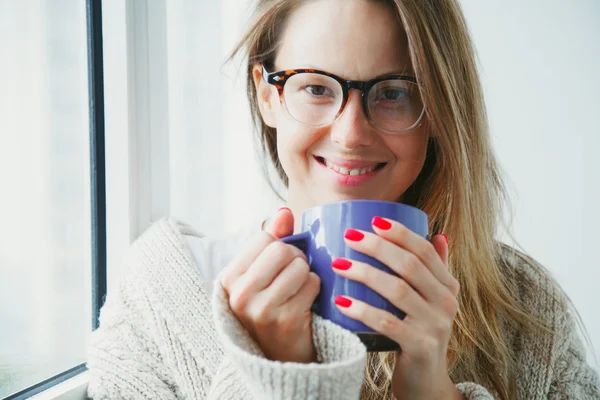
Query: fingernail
381	223
340	263
353	235
343	302
283	208
445	237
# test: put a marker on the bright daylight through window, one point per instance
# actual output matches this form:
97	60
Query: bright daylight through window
45	251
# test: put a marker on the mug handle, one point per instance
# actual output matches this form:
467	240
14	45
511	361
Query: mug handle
300	240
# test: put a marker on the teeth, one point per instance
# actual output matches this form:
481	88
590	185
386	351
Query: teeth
351	172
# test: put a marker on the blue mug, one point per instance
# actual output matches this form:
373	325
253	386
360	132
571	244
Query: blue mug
322	240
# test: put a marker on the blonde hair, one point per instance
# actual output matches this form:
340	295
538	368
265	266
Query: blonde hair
460	187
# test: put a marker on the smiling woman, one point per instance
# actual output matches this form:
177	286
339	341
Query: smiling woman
368	131
369	100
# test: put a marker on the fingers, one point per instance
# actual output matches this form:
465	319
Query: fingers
282	223
303	300
273	305
375	318
440	242
418	250
242	261
393	288
403	263
269	263
401	236
287	283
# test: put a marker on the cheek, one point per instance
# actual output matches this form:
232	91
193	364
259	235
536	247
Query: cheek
294	146
410	152
296	141
291	148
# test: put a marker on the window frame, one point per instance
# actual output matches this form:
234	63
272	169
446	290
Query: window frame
137	165
98	191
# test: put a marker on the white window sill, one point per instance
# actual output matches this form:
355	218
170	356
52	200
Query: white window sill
74	388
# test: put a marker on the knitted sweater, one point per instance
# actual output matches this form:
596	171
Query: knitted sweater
161	337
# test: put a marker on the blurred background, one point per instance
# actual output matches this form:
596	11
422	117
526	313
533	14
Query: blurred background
179	143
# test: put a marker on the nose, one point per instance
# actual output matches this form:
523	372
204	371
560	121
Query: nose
352	128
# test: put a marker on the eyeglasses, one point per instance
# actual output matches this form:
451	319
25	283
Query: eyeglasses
317	98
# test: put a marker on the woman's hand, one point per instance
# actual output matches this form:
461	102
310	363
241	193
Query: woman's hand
426	293
271	291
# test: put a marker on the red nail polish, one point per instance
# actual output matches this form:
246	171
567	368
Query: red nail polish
381	223
340	263
343	302
354	235
445	237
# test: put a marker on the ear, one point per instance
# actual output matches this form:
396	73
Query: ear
265	96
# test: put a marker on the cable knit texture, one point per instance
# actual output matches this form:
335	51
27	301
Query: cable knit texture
161	337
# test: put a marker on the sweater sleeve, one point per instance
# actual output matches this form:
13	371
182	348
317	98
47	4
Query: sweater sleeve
474	391
122	363
572	376
561	368
338	375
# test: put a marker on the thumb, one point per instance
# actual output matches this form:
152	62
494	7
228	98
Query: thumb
282	223
440	242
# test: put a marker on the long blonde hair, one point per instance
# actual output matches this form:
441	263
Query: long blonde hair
460	187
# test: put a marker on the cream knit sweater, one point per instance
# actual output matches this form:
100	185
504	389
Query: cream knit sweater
161	337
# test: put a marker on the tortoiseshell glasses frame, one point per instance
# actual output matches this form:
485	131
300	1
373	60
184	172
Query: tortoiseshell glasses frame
280	78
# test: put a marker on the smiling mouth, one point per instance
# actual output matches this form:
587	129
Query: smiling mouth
349	172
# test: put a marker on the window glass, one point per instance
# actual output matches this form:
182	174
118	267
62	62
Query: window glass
45	310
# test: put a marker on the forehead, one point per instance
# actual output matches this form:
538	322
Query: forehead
355	39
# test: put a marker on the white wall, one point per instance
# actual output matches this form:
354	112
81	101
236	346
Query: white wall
540	61
216	181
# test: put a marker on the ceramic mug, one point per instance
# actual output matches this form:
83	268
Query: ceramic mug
322	240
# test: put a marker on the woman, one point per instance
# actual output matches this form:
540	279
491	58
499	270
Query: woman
352	99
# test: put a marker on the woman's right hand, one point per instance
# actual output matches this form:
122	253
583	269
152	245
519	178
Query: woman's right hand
271	290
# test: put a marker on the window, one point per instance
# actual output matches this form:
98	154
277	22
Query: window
51	235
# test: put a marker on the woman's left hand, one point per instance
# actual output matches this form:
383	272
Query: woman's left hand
426	293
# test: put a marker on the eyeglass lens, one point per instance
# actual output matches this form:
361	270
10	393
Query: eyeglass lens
315	99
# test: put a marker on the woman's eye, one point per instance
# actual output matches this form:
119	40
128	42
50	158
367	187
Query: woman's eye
317	90
393	94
